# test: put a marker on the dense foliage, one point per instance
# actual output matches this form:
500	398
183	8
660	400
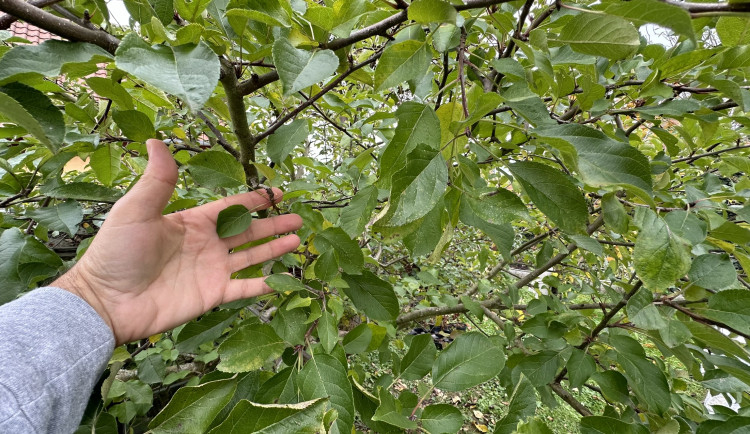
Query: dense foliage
552	174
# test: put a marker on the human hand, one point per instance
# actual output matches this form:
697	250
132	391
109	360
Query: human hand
145	272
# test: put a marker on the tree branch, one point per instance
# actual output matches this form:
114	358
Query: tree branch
7	19
334	123
603	324
307	103
708	154
704	320
59	26
697	8
496	303
219	137
379	28
241	128
570	399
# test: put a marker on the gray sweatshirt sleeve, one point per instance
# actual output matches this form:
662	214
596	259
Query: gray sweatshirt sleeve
53	348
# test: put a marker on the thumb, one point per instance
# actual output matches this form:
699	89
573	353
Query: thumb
150	194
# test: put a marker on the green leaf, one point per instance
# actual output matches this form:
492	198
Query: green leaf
64	217
686	225
674	108
641	12
401	62
282	387
601	160
615	216
268	12
494	206
580	367
733	31
709	336
237	356
325	376
192	409
522	405
675	333
540	368
608	425
215	169
418	187
441	418
723	382
588	243
527	104
152	369
290	325
731	307
204	329
358	339
660	258
430	11
135	125
23	261
734	57
81	191
284	283
48	58
470	360
347	252
732	232
534	425
732	425
474	210
357	213
643	313
614	386
282	142
428	232
323	17
299	69
326	266
375	297
246	417
417	362
712	271
31	110
446	37
108	88
328	332
555	195
391	410
417	124
163	10
647	381
105	162
233	220
600	35
189	72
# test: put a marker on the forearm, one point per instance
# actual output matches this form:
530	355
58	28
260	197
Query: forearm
54	347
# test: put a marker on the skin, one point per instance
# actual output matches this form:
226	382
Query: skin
145	272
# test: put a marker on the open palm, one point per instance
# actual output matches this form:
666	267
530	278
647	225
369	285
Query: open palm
145	272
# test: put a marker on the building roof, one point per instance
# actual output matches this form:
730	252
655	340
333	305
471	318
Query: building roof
33	34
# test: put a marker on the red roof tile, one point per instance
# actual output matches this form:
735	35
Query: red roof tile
33	34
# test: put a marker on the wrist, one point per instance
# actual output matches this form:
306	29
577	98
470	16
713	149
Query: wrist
75	282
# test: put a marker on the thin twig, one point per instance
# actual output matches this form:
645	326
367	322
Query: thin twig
219	137
291	115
